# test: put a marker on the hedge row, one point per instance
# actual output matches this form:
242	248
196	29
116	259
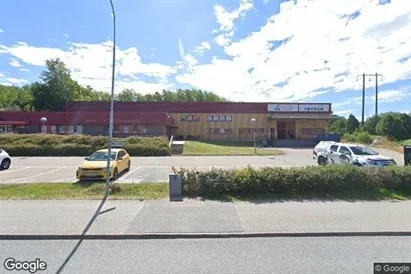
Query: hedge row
78	145
323	179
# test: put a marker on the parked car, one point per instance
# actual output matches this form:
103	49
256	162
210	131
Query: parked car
359	155
319	149
5	160
95	165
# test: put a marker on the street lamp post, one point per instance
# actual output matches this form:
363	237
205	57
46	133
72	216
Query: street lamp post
253	121
110	130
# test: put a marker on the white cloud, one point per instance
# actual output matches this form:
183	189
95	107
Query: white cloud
202	47
226	18
289	59
265	1
90	64
10	81
65	35
14	63
25	69
2	75
1	30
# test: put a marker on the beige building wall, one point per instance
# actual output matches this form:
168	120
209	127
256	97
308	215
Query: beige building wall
240	127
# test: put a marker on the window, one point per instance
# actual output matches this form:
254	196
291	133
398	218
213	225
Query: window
221	131
144	130
135	129
250	131
116	129
209	118
215	118
196	118
183	118
333	148
79	129
62	129
222	118
345	150
120	154
228	131
53	129
126	129
229	118
190	118
71	129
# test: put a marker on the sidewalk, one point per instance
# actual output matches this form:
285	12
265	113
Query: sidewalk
78	217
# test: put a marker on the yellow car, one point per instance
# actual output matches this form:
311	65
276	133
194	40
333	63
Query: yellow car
95	165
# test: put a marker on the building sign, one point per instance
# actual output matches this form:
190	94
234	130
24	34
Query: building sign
298	108
282	107
314	108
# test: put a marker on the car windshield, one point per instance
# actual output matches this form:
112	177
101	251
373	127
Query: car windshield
363	151
101	156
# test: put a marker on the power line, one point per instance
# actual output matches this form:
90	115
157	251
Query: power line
376	75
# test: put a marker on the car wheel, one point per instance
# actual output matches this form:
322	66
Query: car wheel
322	161
128	166
5	164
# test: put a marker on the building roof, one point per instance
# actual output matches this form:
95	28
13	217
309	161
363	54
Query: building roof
172	107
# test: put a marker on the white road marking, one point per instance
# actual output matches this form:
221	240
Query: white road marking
9	171
122	178
22	180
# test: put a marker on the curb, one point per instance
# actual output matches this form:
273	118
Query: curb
145	236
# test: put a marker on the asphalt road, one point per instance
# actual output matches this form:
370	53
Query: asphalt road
252	255
152	169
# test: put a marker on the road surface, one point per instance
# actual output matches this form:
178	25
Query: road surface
253	255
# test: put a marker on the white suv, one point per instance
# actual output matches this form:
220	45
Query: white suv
5	160
340	153
319	150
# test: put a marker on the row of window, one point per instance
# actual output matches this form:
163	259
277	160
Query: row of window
250	131
71	129
210	118
189	118
219	131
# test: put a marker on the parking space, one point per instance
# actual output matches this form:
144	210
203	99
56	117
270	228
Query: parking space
152	169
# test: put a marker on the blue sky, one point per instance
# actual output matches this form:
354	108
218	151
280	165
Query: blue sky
305	50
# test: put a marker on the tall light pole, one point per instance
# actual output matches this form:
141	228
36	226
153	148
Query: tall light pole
253	121
110	129
43	120
376	75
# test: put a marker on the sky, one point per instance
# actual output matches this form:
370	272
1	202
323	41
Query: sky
251	51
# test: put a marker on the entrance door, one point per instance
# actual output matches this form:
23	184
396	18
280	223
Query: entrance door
281	130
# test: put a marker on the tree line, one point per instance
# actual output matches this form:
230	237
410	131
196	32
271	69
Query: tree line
56	87
393	125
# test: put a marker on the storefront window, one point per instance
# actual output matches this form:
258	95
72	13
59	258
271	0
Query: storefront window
126	129
62	129
71	129
53	129
79	129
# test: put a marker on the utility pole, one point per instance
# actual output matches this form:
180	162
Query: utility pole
376	75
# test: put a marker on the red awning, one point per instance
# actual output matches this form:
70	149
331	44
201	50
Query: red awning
9	123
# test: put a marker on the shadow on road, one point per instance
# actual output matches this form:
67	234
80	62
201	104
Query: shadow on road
86	229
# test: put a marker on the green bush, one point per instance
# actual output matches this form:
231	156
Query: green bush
359	137
325	179
78	145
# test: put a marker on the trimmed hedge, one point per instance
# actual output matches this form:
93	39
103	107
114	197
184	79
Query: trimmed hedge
78	145
322	179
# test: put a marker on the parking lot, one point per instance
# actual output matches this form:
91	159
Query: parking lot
151	169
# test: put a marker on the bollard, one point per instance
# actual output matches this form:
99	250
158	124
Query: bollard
407	155
176	187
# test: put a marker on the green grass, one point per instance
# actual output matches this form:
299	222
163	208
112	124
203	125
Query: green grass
225	148
405	142
95	191
80	191
371	195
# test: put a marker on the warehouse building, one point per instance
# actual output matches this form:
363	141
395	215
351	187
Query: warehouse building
201	121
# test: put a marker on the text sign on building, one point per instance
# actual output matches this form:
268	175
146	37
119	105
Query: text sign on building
314	108
282	107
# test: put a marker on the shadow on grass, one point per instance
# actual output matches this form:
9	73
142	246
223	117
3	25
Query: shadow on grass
347	196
